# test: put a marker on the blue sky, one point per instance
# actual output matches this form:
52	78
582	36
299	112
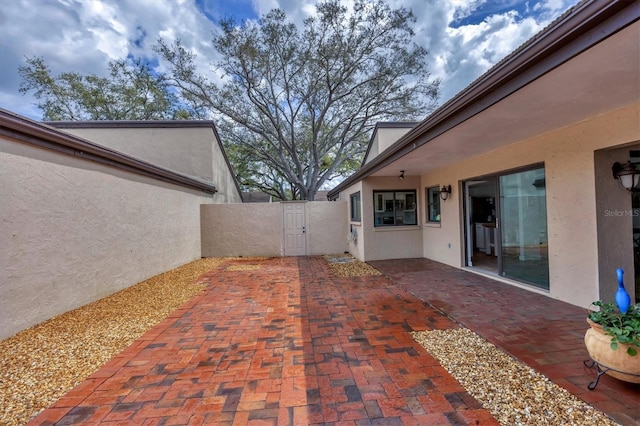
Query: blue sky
490	8
216	10
464	38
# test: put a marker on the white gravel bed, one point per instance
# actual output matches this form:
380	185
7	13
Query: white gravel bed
513	392
345	265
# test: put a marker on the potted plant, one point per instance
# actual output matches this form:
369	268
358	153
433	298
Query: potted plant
613	341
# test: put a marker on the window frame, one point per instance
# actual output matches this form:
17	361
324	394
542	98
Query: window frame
429	191
355	199
397	207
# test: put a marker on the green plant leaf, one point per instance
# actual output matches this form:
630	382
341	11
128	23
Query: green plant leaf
624	328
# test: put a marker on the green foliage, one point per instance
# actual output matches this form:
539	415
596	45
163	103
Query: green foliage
623	328
296	106
132	91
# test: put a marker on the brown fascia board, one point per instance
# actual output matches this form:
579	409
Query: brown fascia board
146	124
24	130
128	124
581	27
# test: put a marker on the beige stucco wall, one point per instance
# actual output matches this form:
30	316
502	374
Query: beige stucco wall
253	229
377	243
568	156
74	231
383	139
256	229
327	230
192	151
397	242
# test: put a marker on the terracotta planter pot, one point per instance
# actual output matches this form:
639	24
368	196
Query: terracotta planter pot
621	365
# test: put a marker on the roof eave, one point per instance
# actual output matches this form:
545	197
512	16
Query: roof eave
38	134
575	23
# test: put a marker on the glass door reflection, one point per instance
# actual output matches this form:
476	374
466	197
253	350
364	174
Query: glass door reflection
523	227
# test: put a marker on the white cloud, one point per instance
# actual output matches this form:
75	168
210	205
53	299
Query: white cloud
297	10
83	35
460	54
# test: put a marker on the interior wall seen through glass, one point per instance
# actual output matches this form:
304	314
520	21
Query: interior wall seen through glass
395	208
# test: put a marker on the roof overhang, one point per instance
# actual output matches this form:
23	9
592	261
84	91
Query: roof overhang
583	65
24	130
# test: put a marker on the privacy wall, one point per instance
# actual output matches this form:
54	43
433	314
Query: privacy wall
74	230
257	229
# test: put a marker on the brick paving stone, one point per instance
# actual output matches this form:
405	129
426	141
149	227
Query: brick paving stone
544	333
283	343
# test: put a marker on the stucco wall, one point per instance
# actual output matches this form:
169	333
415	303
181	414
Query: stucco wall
253	229
383	139
326	228
392	242
193	151
615	218
256	229
568	156
223	179
74	231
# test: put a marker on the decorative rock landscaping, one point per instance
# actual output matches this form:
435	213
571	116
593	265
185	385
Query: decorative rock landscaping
514	393
42	363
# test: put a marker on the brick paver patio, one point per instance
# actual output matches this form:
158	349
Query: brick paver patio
546	334
283	342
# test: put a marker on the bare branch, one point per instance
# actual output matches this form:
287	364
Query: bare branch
302	101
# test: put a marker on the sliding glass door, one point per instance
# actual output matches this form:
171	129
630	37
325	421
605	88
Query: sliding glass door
523	227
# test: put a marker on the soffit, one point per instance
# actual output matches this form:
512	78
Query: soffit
604	78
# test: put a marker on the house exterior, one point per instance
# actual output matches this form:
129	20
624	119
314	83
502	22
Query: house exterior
384	135
91	208
261	197
192	148
80	220
257	197
524	155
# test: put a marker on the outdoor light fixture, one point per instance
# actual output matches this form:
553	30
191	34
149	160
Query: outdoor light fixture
401	177
445	191
627	174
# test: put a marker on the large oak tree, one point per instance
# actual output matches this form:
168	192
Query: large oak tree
131	91
295	106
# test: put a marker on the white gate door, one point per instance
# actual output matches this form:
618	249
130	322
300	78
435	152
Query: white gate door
295	228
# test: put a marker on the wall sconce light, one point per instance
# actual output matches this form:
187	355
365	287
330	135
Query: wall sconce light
401	177
445	191
627	174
